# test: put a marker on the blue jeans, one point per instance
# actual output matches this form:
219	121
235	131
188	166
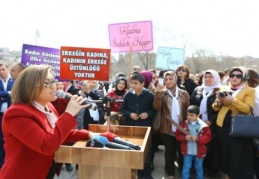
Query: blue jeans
187	164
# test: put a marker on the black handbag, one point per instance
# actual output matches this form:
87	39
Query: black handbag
245	125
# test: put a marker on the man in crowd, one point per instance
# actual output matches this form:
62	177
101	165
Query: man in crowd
6	83
16	69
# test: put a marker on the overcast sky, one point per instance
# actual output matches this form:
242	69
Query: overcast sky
228	27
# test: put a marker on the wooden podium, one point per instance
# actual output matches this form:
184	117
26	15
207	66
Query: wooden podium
103	163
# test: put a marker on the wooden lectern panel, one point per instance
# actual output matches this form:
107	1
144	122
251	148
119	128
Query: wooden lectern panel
106	163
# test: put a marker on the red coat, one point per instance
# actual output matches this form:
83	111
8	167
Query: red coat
115	106
204	136
31	142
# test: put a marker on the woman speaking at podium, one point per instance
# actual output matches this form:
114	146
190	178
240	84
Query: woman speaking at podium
32	128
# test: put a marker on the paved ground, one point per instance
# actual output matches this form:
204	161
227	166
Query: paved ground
158	172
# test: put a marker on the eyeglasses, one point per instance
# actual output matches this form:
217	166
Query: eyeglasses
50	84
182	70
239	76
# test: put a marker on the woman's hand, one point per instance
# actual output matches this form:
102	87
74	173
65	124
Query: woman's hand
75	105
160	88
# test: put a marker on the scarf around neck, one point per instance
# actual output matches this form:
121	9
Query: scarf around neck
207	91
52	118
175	110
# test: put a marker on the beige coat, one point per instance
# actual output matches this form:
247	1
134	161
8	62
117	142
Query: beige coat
163	101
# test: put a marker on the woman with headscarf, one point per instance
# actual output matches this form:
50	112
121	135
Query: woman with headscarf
204	96
148	84
173	103
234	154
118	93
148	81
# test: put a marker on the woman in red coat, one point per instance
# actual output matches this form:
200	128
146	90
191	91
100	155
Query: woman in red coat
32	128
118	93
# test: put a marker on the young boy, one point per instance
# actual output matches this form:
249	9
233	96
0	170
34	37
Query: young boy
137	109
193	146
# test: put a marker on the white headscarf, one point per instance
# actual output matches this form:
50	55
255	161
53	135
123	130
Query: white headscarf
207	91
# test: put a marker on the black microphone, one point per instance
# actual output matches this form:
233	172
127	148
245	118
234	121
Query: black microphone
64	95
108	144
114	138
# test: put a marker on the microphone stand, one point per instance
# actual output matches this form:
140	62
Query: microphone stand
108	112
106	100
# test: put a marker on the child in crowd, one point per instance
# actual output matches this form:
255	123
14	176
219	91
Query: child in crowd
193	145
137	110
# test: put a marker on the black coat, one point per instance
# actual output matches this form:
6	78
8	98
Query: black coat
197	97
73	90
189	85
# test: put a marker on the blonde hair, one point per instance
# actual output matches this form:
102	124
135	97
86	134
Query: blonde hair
29	84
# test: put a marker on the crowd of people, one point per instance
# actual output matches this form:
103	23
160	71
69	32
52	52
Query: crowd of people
196	112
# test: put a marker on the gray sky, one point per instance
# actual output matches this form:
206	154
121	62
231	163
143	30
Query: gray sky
228	27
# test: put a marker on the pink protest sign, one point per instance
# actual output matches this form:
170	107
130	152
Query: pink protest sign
135	35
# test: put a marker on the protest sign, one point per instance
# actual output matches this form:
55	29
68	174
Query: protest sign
78	63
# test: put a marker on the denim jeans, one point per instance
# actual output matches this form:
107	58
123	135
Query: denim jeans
187	164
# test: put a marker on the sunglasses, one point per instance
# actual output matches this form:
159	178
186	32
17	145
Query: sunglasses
239	76
182	70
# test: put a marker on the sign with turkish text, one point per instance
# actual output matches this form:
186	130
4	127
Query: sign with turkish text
78	63
36	55
131	36
169	58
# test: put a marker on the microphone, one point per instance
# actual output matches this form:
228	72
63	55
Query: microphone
114	138
62	94
108	144
94	143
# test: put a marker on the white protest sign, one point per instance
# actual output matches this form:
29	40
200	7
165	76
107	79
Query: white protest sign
169	58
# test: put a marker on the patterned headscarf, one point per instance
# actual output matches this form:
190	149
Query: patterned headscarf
243	70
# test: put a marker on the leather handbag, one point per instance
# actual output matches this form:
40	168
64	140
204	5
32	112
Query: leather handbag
245	125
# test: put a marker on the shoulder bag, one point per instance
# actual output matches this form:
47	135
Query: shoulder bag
245	125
